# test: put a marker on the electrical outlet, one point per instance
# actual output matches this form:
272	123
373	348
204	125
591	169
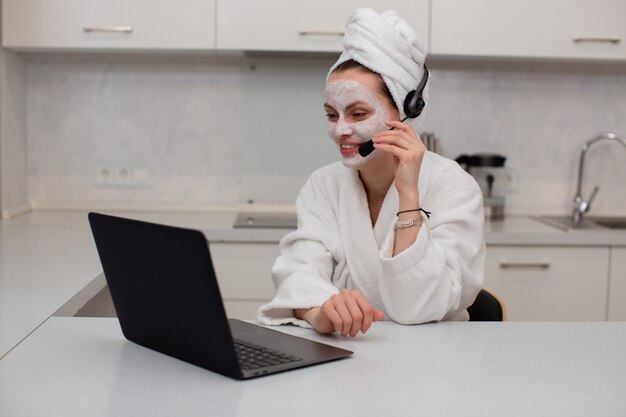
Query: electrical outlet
103	176
121	174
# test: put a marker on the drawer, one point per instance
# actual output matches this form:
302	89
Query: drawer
549	283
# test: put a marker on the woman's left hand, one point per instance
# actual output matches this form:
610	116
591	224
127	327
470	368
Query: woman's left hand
408	151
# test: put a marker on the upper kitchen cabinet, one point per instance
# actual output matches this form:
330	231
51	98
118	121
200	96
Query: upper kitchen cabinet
583	29
108	24
297	25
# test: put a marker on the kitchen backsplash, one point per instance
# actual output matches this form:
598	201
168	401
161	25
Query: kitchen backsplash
210	129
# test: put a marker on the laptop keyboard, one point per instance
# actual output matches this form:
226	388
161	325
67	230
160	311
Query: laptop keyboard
251	357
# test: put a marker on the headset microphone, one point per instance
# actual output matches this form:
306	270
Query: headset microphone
413	106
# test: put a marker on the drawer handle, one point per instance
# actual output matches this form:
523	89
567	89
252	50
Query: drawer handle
525	265
597	40
108	29
319	33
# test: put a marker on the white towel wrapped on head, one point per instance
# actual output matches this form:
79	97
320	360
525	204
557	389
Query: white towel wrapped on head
387	45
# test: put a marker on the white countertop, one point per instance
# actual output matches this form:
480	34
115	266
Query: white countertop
524	230
78	367
46	257
217	226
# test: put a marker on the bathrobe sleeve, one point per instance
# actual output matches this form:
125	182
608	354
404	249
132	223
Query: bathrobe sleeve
303	271
440	274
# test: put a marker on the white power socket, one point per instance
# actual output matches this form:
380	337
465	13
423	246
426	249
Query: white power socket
505	179
117	175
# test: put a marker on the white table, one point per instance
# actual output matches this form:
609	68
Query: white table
49	257
41	267
84	367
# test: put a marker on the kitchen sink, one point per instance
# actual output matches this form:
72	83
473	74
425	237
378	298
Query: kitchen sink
588	222
611	222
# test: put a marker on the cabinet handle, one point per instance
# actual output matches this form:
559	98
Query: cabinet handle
597	40
319	33
108	29
525	265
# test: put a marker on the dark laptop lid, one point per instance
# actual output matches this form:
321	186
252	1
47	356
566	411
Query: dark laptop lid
162	281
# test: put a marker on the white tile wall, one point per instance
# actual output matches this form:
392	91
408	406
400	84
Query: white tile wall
13	147
538	115
228	128
176	116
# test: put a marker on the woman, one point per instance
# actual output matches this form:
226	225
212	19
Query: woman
397	233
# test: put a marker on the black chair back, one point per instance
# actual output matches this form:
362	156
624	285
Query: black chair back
486	307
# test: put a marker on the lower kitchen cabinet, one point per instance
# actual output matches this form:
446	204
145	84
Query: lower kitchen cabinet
243	272
617	285
536	283
550	283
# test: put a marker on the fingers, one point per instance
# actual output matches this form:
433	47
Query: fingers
370	315
378	315
358	315
402	136
349	312
346	316
328	318
367	310
403	142
398	144
396	124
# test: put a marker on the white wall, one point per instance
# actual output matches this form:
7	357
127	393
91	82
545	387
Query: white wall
13	146
228	128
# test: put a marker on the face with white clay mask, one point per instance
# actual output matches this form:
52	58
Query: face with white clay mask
355	114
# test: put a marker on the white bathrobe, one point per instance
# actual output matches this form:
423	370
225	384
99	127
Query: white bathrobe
335	247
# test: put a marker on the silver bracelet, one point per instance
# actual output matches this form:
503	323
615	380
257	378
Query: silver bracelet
401	224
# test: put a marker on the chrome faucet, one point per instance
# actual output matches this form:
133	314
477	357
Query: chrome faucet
581	205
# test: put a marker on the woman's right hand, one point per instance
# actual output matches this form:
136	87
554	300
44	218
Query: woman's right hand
347	312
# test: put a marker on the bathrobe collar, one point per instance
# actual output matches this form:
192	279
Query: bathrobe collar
362	243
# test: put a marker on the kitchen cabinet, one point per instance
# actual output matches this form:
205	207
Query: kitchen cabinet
243	273
111	24
550	283
287	25
583	29
529	28
536	283
617	295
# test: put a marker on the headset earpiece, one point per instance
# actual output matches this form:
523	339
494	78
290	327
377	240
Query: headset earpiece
414	102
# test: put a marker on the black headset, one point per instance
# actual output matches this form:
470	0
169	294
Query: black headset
413	106
414	102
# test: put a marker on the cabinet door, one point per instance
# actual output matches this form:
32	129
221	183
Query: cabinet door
243	274
549	283
617	295
108	24
297	25
530	28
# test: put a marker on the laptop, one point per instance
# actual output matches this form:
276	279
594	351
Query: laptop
167	298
